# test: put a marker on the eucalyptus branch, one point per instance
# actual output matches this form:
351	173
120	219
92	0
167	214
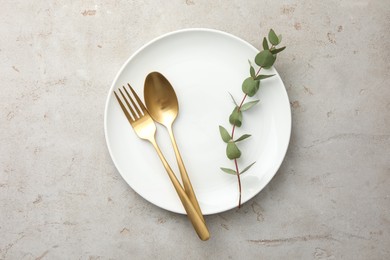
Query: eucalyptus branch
264	59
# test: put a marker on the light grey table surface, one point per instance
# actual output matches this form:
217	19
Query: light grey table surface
62	198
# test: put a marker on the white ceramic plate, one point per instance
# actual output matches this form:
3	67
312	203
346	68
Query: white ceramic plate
203	66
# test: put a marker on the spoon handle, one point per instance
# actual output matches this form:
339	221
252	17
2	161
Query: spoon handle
184	176
195	218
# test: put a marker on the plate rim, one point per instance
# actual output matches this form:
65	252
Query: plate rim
165	35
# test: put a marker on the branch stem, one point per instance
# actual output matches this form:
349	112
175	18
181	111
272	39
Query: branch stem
235	160
234	126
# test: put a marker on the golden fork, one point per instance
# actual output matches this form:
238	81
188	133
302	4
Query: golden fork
145	128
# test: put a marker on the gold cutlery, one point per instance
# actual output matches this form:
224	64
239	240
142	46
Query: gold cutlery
162	104
145	128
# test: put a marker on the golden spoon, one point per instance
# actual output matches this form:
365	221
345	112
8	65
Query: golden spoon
161	102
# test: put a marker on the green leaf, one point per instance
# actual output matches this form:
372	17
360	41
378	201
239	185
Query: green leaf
247	168
273	38
243	137
224	134
265	44
234	101
232	151
252	72
275	51
265	58
250	86
280	38
260	77
235	117
248	105
227	170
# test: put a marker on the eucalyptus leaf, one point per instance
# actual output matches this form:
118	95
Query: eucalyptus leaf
250	86
275	51
252	72
273	38
227	170
248	105
247	168
243	137
260	77
224	134
265	44
280	38
265	58
232	151
234	101
235	117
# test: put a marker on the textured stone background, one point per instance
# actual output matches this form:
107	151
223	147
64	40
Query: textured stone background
62	198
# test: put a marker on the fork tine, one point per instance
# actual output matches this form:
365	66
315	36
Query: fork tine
138	100
132	101
124	108
128	105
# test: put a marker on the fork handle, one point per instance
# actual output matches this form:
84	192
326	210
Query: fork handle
196	220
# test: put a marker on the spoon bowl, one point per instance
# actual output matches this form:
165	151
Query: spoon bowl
160	99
